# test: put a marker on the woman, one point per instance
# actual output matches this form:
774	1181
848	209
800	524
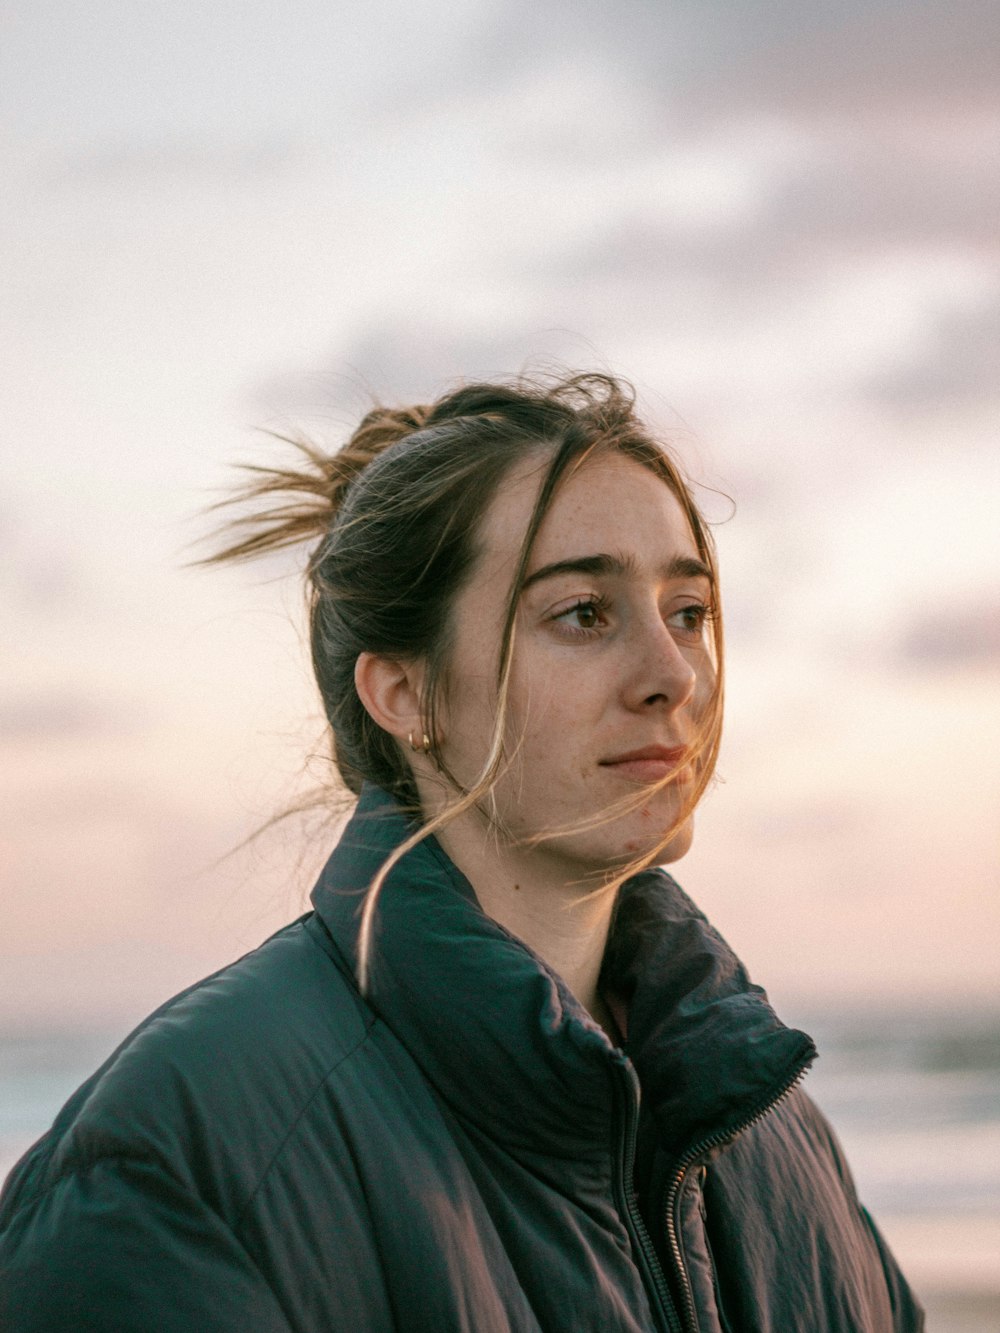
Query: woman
505	1076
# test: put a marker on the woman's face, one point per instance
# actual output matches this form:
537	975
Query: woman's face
611	666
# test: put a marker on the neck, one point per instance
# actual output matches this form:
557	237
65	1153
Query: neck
535	897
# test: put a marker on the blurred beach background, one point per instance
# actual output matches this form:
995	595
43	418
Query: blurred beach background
780	221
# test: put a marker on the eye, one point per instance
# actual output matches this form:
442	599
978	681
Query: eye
584	617
688	623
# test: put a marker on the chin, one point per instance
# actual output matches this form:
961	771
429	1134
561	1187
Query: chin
678	846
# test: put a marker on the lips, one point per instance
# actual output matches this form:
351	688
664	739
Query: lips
652	763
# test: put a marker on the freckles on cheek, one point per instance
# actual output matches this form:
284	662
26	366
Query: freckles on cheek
543	711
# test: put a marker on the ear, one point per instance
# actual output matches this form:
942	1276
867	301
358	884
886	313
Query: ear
391	692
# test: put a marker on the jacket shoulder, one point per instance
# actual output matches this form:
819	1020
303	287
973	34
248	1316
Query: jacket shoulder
209	1086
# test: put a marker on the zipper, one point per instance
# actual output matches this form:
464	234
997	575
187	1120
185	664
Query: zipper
650	1268
689	1316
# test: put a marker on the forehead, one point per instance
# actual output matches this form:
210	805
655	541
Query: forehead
610	503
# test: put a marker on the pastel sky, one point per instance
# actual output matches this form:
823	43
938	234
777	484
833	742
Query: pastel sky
779	220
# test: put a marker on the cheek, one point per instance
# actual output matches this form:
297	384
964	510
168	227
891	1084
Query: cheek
545	718
705	684
468	724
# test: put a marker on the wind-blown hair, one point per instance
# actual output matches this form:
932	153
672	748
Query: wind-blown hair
395	518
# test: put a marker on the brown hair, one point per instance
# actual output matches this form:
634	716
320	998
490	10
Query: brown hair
396	516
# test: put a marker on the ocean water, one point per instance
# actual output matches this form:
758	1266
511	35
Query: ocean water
914	1097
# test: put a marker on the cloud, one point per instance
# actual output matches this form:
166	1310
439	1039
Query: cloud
856	60
42	577
835	197
961	364
888	191
950	637
700	63
217	163
417	358
59	716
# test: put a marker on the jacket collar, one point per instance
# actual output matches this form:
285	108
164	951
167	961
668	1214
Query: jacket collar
504	1042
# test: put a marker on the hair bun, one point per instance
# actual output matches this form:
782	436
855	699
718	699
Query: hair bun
380	428
314	491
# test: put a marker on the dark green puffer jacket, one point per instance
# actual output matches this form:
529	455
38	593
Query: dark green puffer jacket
465	1151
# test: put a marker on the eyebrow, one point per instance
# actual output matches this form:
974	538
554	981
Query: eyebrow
681	567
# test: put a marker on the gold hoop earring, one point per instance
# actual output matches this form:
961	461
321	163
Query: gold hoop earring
425	743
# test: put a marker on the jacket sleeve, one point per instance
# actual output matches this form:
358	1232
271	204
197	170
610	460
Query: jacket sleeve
907	1313
908	1316
119	1246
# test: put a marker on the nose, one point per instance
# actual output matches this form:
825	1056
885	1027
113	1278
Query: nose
660	673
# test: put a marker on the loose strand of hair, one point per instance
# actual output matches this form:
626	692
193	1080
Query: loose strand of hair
481	787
